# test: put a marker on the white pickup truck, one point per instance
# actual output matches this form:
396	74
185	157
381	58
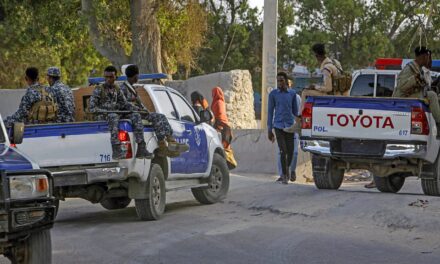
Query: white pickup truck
79	157
391	137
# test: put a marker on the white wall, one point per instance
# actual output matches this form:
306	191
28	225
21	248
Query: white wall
10	100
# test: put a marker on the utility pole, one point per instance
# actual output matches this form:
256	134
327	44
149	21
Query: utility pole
269	68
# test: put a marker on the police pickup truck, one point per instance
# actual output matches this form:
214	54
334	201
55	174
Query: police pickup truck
79	157
393	138
27	208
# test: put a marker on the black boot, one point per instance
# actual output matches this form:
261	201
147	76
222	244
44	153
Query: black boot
117	152
142	152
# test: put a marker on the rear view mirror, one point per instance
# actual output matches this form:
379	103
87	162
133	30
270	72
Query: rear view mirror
17	133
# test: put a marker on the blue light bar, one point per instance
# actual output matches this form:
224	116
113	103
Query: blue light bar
150	76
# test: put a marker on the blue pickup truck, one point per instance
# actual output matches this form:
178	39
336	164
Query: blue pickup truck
27	209
79	157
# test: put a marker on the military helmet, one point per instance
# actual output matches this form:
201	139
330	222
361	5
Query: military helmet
54	72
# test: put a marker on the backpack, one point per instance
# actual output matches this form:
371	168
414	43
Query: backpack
45	110
342	82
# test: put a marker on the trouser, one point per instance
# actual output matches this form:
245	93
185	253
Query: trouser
136	123
309	92
294	159
161	126
434	105
286	143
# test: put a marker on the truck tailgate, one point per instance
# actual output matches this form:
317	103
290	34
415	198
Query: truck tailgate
70	143
363	118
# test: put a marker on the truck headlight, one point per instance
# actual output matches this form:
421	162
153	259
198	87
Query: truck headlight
25	187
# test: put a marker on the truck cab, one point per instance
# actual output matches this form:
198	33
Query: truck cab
373	83
27	208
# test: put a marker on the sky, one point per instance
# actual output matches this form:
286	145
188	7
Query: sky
256	3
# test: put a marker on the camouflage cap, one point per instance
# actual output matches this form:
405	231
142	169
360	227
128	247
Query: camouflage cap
54	71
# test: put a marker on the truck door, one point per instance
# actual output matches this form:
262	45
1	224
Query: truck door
166	107
196	159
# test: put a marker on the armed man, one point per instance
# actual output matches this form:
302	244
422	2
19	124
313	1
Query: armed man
63	96
168	146
37	105
412	83
108	97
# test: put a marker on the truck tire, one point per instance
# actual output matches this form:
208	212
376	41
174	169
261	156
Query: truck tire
114	203
34	250
218	183
431	185
390	184
153	207
325	173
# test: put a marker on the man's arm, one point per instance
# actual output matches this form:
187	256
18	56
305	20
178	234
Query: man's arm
95	100
327	85
294	104
270	109
123	103
408	82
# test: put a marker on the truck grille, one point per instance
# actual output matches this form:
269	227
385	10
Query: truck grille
356	148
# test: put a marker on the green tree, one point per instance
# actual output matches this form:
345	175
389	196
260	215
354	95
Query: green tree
233	39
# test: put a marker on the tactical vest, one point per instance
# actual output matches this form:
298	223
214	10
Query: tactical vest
342	81
45	110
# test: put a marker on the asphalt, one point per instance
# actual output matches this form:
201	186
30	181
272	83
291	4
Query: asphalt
259	222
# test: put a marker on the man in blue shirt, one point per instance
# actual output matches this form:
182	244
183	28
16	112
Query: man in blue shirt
282	109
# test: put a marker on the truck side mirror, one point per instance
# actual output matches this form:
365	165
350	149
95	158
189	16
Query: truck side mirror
17	133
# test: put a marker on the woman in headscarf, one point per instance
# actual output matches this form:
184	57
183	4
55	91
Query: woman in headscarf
221	123
201	106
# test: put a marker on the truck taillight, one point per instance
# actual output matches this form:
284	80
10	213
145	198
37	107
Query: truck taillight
307	116
124	137
419	122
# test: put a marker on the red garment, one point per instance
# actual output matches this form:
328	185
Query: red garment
218	105
221	119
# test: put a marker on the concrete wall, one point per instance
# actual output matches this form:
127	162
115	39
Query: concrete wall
256	154
10	100
237	87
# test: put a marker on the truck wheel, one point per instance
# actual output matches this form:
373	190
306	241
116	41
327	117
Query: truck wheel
153	207
431	185
115	203
218	183
325	173
35	250
390	184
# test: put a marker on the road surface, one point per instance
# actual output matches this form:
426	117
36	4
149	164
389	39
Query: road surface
260	222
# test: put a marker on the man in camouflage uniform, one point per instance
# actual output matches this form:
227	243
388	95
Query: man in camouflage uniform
168	146
31	97
63	96
412	83
108	97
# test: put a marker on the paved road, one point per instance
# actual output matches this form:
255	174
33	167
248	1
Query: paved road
259	222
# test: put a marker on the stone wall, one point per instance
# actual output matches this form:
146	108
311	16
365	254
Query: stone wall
237	87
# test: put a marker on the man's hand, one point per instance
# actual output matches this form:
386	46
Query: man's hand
270	136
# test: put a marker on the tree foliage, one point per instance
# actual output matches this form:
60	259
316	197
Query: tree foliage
82	36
